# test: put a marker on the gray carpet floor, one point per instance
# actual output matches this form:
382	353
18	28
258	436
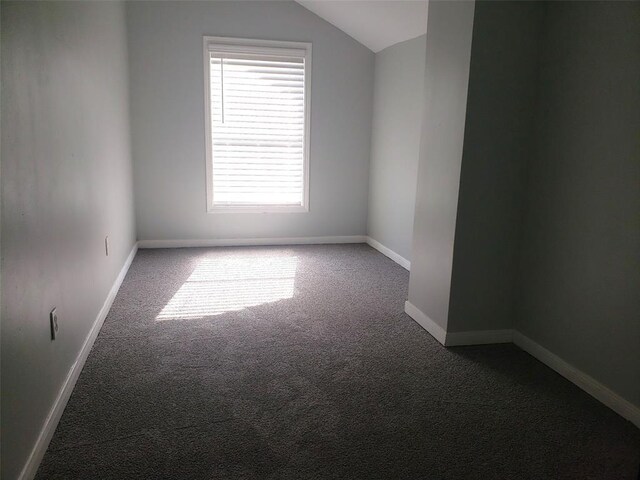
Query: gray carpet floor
299	363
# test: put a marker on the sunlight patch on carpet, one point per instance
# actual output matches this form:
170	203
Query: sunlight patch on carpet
220	285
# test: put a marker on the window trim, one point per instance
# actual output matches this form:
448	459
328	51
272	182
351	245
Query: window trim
282	48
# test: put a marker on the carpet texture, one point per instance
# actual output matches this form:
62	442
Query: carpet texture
299	363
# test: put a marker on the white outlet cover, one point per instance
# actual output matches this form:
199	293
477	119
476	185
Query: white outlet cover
53	321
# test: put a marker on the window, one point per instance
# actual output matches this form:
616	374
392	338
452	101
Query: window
257	125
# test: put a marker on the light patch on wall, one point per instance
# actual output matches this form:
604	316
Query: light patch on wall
220	285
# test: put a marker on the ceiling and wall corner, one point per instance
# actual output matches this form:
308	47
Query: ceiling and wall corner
375	24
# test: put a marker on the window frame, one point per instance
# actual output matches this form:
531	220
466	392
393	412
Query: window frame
255	46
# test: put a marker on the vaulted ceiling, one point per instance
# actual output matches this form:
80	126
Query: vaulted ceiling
377	24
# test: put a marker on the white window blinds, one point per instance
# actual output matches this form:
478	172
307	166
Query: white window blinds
258	127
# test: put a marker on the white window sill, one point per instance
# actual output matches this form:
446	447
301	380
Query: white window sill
257	209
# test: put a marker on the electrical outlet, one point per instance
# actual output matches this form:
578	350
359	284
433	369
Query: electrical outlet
106	245
53	320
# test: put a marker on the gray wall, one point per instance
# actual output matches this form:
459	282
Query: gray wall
580	295
395	143
448	49
498	143
66	183
167	114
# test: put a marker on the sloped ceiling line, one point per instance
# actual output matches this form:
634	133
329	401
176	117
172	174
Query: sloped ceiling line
375	24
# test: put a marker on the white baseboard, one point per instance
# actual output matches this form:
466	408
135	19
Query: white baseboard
587	383
425	322
237	242
37	453
403	262
594	388
456	339
478	337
